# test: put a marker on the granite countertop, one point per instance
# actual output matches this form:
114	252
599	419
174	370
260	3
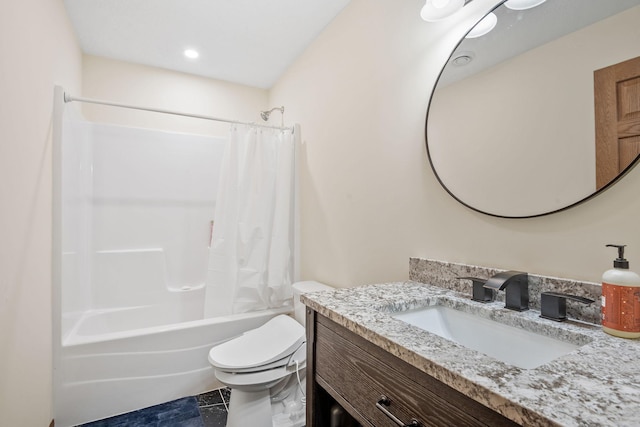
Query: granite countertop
596	385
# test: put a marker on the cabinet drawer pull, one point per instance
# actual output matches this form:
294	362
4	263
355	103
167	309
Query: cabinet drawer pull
385	401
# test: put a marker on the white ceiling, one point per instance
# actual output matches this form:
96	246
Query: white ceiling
251	42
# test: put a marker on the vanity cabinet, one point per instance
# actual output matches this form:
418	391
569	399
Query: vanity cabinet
377	388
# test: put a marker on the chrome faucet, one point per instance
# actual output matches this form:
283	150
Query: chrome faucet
516	288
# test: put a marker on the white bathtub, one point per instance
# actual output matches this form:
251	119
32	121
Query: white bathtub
107	368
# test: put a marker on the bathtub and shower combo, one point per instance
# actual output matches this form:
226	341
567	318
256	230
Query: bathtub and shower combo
133	219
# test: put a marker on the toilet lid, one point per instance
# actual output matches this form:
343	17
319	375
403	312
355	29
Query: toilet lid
274	340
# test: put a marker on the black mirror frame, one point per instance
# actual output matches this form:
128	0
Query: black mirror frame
572	205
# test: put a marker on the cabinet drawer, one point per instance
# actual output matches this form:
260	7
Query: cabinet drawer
359	373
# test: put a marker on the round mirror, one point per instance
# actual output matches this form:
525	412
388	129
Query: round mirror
542	112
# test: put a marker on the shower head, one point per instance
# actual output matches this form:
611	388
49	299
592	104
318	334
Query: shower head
265	114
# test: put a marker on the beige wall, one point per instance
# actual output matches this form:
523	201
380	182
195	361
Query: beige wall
369	198
133	84
38	49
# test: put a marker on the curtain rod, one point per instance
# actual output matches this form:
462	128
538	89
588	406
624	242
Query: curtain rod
69	98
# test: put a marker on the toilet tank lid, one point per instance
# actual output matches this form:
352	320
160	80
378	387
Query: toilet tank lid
276	339
310	286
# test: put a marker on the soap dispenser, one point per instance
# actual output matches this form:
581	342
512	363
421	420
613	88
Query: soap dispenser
621	299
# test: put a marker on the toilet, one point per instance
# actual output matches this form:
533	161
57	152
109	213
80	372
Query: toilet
264	368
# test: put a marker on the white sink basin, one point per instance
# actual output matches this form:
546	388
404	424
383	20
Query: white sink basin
508	344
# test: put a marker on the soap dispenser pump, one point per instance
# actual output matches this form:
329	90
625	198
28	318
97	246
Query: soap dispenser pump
621	299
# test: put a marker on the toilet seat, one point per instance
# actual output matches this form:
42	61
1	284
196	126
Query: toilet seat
268	347
300	354
259	379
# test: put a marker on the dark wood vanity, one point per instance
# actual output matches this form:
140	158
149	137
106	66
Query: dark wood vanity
377	388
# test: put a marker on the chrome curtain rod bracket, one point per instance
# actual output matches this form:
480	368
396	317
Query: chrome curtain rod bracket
69	98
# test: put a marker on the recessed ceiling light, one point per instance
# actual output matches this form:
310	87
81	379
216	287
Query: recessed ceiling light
523	4
483	27
191	53
461	59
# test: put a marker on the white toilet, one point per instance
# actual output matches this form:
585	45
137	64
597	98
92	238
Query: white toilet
264	368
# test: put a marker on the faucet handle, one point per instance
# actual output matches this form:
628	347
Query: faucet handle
553	305
480	293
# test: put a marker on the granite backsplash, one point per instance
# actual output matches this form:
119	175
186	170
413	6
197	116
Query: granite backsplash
445	275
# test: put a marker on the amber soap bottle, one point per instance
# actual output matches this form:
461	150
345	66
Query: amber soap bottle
621	299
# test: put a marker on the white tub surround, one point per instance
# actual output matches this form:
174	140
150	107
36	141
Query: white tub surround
597	384
133	218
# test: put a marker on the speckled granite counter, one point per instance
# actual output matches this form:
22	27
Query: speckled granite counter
596	385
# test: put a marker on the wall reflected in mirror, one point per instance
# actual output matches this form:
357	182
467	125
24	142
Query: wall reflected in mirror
510	127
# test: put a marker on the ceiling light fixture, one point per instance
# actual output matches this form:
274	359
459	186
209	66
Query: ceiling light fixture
523	4
483	27
436	10
191	53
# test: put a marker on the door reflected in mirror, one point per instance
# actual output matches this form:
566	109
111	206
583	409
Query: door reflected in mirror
511	124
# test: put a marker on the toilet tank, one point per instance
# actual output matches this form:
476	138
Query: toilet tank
300	288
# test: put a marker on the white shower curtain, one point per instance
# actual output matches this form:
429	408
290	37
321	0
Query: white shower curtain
251	255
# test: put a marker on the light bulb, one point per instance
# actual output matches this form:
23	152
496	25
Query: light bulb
523	4
435	10
483	27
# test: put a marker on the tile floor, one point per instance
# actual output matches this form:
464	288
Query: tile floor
213	407
205	410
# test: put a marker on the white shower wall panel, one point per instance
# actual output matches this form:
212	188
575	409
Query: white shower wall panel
136	276
153	200
75	175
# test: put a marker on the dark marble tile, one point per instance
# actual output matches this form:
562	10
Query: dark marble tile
214	415
212	397
191	422
177	413
226	394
